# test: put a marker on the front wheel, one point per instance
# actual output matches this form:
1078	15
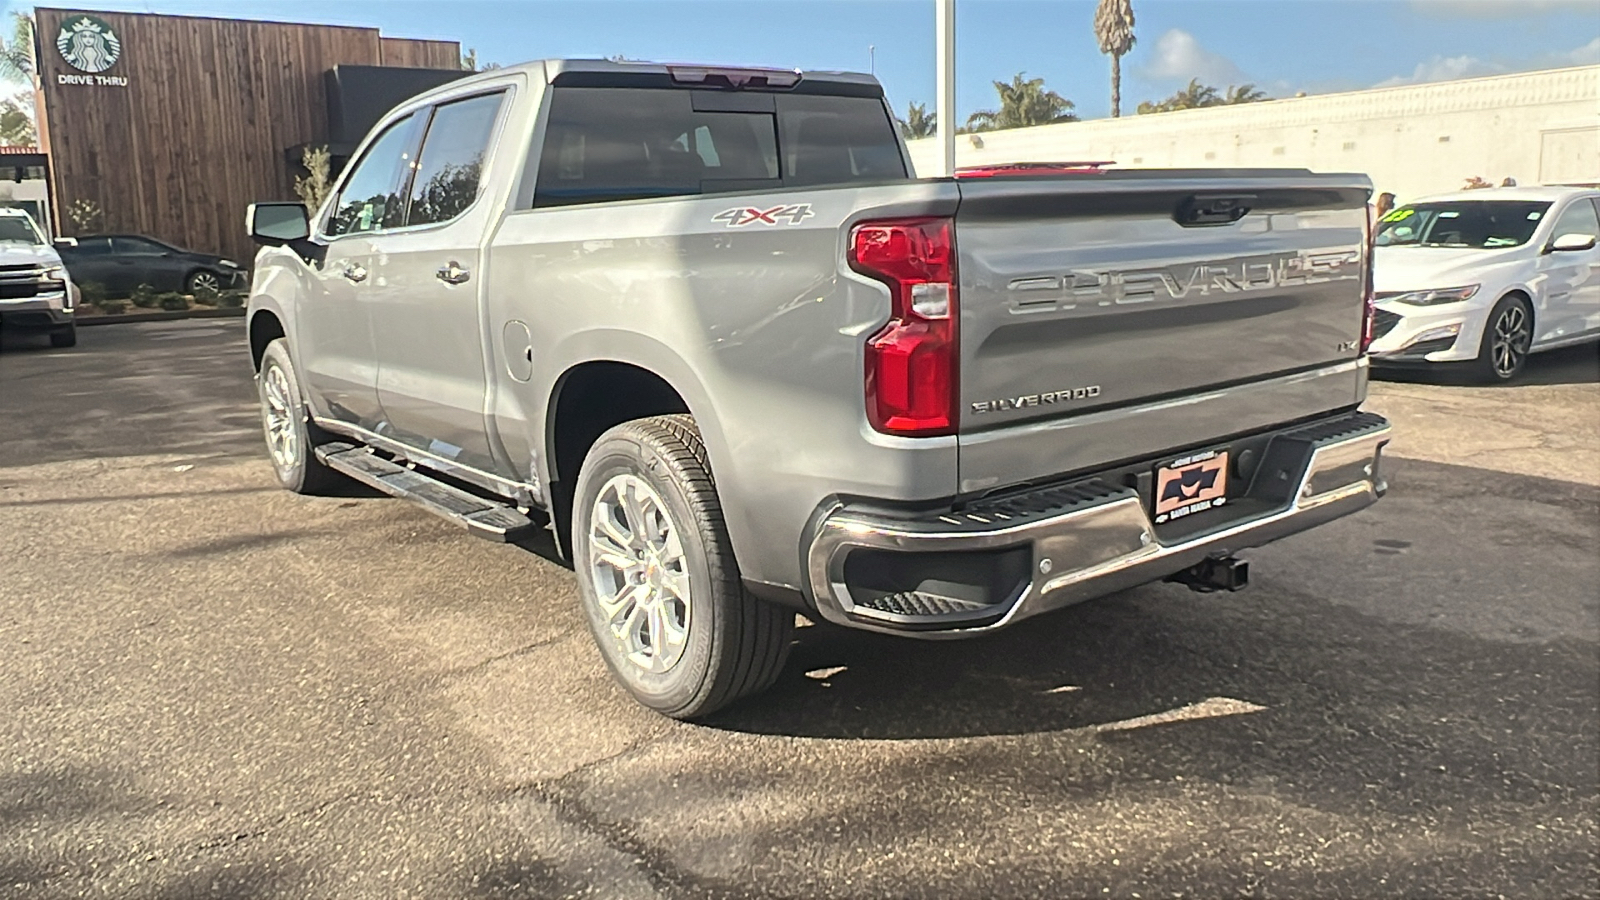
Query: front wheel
1506	339
202	281
657	575
288	429
65	336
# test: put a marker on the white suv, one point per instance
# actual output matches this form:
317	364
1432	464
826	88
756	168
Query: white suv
35	291
1487	277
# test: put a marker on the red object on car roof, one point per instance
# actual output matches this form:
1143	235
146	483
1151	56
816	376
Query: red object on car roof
1041	168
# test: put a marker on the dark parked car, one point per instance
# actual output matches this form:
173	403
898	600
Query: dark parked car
122	262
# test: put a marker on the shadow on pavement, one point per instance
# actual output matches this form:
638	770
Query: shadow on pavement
1569	365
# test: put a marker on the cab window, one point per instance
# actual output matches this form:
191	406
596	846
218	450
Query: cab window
450	166
371	198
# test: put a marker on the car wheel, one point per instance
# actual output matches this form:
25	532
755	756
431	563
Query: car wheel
1506	339
202	280
289	431
657	575
66	336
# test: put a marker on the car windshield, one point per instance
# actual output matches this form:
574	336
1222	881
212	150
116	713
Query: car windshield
1478	224
19	230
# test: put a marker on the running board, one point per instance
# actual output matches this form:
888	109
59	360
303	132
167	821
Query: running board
482	518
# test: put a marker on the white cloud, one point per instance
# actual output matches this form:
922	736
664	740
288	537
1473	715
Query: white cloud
1179	57
1587	55
1449	68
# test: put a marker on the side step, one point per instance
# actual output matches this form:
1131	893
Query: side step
482	518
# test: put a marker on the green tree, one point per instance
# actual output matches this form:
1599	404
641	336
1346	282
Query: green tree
16	126
1244	93
1023	103
1113	28
469	59
918	123
1198	96
16	51
313	186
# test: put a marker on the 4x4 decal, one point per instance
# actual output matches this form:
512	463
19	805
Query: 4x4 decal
749	215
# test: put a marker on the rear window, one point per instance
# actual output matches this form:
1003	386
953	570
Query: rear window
605	143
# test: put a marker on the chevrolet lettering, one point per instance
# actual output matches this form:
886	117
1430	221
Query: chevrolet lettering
1203	280
708	328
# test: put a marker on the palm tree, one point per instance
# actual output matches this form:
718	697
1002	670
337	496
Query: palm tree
918	123
1023	103
16	53
1244	93
1193	96
1113	27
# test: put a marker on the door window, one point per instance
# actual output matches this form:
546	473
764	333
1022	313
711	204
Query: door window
91	247
370	199
1579	218
127	246
450	166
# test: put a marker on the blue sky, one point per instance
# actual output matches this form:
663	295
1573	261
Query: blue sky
1282	46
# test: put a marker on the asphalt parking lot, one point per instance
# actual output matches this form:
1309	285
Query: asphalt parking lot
213	688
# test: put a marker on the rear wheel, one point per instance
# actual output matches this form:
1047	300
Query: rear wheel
289	431
65	336
1506	339
658	578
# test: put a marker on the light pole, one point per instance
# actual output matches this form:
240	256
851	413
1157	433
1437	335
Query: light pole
945	95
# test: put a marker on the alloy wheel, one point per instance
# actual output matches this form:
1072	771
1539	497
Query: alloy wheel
204	281
278	410
1510	341
639	574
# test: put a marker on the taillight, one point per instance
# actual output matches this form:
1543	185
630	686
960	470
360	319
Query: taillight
911	361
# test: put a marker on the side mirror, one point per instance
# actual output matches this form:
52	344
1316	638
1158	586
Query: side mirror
1570	242
276	224
65	242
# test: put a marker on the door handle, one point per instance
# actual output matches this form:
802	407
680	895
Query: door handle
453	273
355	272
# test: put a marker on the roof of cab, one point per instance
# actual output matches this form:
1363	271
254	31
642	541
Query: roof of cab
1546	194
551	69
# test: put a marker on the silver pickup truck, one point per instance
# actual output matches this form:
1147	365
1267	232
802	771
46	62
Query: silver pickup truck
707	327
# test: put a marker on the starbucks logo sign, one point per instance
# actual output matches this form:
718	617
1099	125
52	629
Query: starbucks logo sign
88	44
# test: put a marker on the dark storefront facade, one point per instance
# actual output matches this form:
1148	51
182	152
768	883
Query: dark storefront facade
168	126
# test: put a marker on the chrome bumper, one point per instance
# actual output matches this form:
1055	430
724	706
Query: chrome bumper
1093	538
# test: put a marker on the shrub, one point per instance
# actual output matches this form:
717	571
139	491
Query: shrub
111	307
91	293
206	298
231	299
172	300
144	297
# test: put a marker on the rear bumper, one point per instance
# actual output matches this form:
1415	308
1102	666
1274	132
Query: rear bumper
1052	547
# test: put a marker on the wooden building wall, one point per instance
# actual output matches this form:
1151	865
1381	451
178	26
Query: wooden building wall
200	128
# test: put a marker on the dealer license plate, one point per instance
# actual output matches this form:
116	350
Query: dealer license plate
1191	484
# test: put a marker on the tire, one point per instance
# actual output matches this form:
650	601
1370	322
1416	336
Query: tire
1507	334
201	279
288	429
64	337
728	645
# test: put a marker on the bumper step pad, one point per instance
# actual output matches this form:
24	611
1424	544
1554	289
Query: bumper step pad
482	518
921	603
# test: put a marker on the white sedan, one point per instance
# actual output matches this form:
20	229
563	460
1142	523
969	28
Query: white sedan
1486	277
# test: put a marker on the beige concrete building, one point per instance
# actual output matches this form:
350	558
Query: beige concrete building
1537	127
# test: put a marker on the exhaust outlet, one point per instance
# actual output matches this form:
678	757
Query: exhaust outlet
1225	573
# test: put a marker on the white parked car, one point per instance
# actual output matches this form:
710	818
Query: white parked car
1486	277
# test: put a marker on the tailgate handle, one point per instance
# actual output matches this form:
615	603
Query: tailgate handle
1213	209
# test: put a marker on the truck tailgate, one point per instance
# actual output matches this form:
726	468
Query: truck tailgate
1113	316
